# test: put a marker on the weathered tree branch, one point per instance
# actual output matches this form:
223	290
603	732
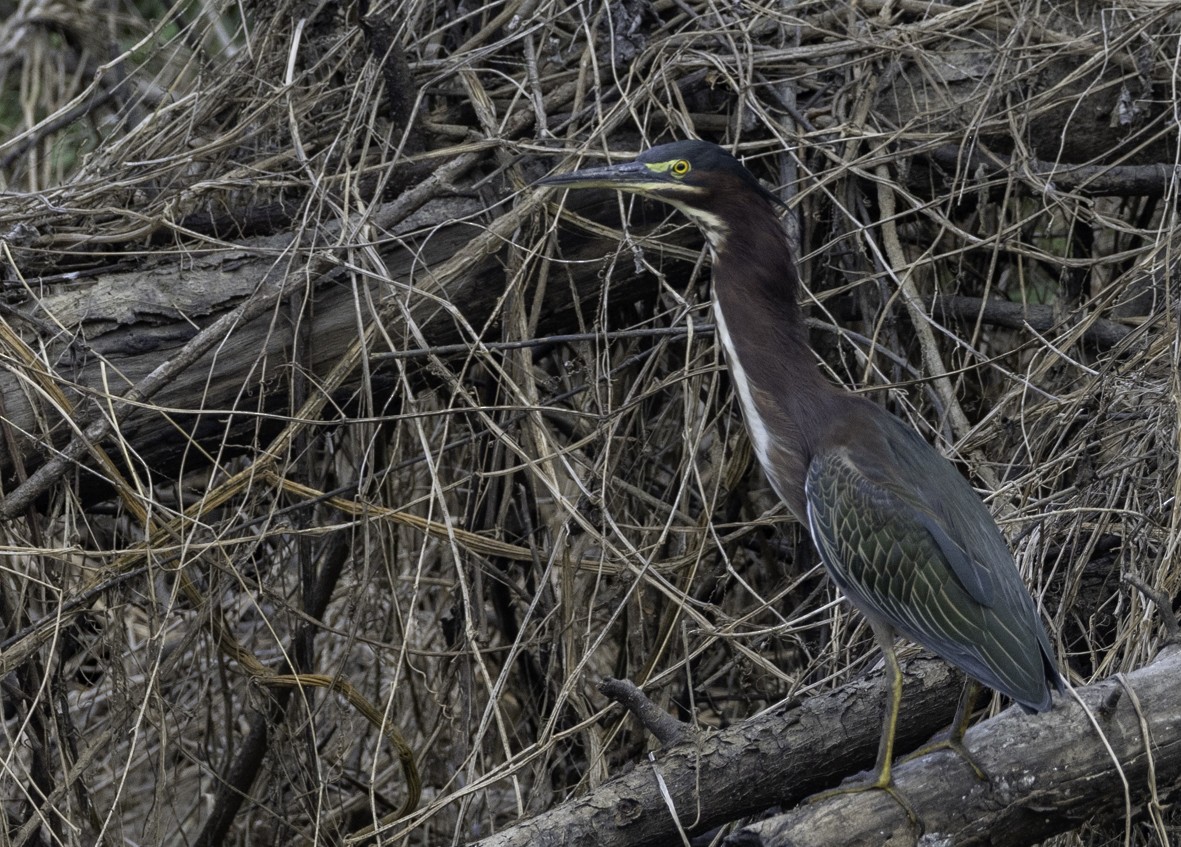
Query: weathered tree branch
667	729
119	333
1039	317
776	758
1145	180
1048	772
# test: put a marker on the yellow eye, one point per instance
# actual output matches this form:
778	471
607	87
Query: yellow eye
681	167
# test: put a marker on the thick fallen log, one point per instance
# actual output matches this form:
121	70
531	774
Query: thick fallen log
79	345
1111	753
1049	772
773	759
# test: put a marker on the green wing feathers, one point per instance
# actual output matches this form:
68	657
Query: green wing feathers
924	555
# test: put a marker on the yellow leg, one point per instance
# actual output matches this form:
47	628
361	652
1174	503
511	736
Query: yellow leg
893	682
882	778
955	740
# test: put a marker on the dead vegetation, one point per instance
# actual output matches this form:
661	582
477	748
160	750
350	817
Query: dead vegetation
410	466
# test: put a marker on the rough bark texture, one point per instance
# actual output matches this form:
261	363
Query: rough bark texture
1048	772
775	759
1113	755
98	337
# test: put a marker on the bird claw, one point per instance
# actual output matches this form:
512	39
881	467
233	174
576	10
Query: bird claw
956	746
883	782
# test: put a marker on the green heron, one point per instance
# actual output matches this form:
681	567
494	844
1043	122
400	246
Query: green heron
898	528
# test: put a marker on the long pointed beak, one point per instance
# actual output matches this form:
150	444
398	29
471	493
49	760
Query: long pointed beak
630	176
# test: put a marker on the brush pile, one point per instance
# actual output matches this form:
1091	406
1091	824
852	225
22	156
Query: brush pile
338	468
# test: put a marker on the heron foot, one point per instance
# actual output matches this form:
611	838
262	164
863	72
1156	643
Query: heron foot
883	781
954	744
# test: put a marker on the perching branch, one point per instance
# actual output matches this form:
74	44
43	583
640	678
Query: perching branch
1049	772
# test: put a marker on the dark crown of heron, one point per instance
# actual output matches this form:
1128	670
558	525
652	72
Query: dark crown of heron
703	181
707	184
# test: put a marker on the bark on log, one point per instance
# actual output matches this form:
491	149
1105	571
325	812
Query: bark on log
1101	332
1079	111
776	758
1049	772
96	338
